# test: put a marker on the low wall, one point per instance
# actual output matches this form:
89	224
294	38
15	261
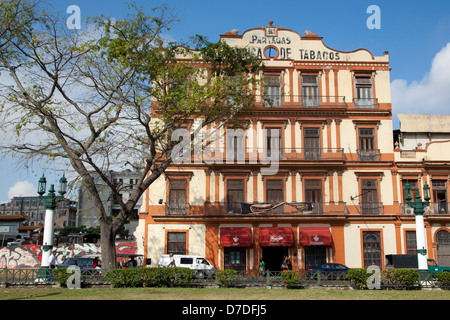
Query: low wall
29	255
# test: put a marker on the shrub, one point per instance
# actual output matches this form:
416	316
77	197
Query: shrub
400	278
290	278
443	278
61	276
150	277
226	277
359	277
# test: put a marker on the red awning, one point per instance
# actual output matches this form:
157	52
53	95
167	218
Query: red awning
236	237
271	237
315	236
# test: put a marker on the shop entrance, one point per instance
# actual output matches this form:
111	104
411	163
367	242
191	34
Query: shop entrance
274	256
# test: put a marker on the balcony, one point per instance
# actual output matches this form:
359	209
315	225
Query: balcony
371	208
177	209
277	101
327	154
267	209
369	155
440	208
365	103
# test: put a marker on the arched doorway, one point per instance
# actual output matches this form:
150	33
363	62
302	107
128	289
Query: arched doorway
443	248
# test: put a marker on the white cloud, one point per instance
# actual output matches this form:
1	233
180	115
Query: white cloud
22	189
431	95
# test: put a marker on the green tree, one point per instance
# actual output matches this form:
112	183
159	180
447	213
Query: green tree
111	95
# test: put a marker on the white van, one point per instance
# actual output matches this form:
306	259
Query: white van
197	263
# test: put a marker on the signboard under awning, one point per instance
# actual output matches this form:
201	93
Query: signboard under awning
276	236
315	236
236	237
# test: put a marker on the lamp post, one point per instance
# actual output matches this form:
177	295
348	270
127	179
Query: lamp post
418	205
50	200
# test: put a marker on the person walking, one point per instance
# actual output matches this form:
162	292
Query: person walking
51	266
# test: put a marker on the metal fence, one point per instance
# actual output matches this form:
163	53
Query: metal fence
38	277
45	277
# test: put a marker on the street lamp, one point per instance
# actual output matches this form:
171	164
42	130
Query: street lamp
418	205
50	201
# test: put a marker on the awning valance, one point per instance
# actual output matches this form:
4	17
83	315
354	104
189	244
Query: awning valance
236	237
315	236
276	236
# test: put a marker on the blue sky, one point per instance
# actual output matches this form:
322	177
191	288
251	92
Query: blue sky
415	33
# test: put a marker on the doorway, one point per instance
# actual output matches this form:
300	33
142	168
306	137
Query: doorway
274	256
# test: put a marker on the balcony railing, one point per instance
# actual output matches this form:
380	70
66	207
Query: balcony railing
371	208
439	208
283	208
302	101
330	154
365	103
369	155
177	209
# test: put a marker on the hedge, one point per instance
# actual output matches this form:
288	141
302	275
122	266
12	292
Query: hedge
290	278
150	277
443	278
226	278
390	278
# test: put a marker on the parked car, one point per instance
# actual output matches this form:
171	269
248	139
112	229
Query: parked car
85	263
330	267
330	271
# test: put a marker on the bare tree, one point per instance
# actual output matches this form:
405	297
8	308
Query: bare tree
111	95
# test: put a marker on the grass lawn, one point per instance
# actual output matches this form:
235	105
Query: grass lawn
106	293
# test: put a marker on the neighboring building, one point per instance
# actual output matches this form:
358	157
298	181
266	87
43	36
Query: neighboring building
10	228
33	210
422	155
416	130
336	194
86	213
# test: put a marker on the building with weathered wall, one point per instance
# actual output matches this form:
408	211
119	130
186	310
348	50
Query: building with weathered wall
336	193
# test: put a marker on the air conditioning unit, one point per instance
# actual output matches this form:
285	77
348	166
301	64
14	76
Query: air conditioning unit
409	210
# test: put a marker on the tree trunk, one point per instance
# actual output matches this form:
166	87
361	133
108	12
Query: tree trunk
108	246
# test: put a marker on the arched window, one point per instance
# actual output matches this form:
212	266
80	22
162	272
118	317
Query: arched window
443	248
372	248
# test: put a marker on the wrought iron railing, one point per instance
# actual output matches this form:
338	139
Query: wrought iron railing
253	278
371	208
177	209
440	208
369	155
328	154
280	208
38	276
277	101
365	103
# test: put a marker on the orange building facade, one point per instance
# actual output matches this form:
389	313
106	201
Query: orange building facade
314	175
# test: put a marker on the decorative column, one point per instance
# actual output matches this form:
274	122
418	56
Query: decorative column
50	201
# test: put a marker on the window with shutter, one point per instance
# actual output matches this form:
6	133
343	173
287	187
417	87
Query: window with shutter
369	197
177	196
367	150
235	195
440	196
363	92
272	90
311	139
313	194
273	137
310	91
